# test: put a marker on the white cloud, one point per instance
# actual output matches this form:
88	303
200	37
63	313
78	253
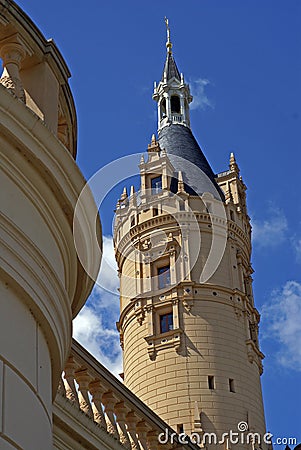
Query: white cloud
296	244
107	277
200	98
95	325
281	322
271	231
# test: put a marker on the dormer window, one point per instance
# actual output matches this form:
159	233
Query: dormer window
175	104
156	185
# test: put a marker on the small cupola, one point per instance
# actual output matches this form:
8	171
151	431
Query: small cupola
172	94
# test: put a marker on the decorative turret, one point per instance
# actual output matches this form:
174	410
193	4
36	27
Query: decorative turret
172	94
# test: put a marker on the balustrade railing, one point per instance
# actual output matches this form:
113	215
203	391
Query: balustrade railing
177	118
91	388
223	174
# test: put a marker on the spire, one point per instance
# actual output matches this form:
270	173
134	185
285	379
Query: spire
170	68
168	42
132	199
181	188
173	97
124	194
233	164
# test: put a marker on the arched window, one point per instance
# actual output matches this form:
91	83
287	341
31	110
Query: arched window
175	104
163	108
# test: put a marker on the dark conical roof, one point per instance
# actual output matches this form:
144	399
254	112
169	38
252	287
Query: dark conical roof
186	156
170	68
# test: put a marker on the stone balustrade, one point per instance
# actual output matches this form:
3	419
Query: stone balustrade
92	389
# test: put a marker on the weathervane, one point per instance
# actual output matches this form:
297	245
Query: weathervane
168	43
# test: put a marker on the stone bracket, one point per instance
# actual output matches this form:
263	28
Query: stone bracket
171	339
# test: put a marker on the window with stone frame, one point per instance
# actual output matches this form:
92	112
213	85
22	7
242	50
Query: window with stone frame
163	276
166	322
156	184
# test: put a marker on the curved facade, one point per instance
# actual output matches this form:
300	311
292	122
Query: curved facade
43	285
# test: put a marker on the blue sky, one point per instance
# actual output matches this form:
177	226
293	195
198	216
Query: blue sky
243	62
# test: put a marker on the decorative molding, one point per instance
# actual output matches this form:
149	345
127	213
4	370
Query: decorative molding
255	355
140	314
170	339
14	86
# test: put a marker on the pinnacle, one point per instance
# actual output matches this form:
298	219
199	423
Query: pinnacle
124	194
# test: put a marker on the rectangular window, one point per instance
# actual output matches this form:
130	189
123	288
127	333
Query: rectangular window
231	385
132	221
163	277
156	184
180	428
210	382
166	322
182	205
155	211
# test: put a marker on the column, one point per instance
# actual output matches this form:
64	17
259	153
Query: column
12	53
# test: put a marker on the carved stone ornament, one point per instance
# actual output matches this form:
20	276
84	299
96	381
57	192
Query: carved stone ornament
238	312
140	315
187	305
14	86
12	53
145	245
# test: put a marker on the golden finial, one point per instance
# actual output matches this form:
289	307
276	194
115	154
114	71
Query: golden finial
168	43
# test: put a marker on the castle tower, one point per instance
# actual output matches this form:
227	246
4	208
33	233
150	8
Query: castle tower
42	283
188	324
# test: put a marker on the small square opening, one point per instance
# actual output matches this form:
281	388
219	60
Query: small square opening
180	428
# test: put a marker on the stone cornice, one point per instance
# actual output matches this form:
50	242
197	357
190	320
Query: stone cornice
17	18
225	296
234	231
16	25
